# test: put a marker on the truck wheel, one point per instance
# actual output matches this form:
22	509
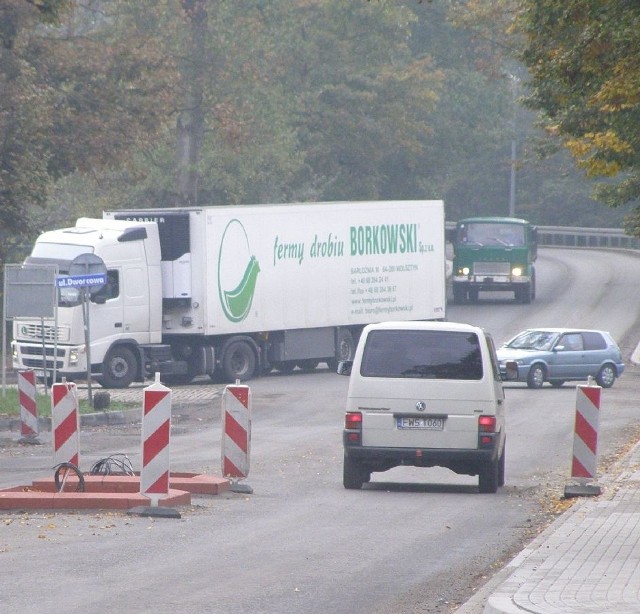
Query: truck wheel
473	295
284	367
238	362
489	477
353	476
524	294
345	348
119	368
459	294
308	365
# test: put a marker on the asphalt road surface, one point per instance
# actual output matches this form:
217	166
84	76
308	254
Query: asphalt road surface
413	540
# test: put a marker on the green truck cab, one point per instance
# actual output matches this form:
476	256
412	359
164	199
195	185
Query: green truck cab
494	254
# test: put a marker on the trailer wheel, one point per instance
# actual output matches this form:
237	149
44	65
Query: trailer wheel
238	362
119	368
308	365
345	348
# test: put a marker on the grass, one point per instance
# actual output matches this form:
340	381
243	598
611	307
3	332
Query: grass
10	404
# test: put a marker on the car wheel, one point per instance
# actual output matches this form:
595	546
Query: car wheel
535	379
606	376
557	383
353	476
489	477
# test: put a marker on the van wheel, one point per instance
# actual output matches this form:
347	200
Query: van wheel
118	369
353	475
535	379
489	477
501	465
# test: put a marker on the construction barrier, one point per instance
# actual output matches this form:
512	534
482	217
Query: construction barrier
156	428
65	423
236	431
29	428
584	461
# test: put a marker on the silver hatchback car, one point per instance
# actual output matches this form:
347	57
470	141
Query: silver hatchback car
558	355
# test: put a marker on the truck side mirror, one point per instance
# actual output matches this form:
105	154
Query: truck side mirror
344	367
511	370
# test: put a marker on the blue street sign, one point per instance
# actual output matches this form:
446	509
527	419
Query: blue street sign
81	281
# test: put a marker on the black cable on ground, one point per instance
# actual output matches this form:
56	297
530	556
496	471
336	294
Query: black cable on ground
116	464
64	469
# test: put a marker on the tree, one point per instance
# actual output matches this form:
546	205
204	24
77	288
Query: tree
585	78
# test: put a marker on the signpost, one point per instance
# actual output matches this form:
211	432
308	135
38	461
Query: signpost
87	272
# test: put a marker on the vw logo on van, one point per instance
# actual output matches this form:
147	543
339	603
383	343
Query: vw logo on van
421	406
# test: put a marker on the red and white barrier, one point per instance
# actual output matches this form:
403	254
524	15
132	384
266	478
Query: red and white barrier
29	428
156	428
584	462
65	423
236	431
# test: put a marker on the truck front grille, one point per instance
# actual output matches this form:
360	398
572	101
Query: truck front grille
491	268
35	331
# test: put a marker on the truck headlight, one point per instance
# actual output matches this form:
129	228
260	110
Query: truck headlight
516	271
73	357
465	270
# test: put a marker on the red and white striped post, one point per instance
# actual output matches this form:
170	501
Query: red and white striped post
65	423
236	435
29	428
156	428
584	461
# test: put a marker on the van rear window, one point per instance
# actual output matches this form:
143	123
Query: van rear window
422	354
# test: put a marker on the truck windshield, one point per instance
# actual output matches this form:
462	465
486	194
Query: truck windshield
60	254
422	354
511	235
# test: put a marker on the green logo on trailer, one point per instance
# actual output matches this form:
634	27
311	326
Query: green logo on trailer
237	272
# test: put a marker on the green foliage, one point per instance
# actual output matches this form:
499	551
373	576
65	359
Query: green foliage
117	103
585	78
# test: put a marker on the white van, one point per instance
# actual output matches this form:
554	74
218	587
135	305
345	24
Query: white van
425	394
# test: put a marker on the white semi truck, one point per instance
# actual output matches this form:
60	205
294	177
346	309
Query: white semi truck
234	291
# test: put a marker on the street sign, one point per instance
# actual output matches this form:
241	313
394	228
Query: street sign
81	281
84	268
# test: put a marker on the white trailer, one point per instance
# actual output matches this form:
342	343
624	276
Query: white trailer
235	291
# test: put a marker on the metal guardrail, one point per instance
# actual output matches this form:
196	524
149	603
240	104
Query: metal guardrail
575	236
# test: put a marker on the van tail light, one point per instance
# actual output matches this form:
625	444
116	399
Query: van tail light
353	428
486	431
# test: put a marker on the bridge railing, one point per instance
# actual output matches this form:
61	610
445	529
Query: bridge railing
575	236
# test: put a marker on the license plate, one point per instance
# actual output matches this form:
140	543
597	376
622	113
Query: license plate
429	424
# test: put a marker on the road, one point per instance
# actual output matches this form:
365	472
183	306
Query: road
413	540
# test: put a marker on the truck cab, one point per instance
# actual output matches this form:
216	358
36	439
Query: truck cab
494	254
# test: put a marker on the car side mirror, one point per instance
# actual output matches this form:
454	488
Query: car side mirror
511	370
344	367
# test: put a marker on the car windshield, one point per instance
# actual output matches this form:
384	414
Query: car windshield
533	340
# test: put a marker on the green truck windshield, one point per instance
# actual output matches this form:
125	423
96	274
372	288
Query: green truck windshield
493	234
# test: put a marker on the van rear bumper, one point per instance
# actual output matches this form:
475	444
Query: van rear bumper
460	460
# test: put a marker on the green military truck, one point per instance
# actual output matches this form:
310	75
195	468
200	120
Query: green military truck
494	254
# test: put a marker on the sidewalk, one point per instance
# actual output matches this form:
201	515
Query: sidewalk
588	560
